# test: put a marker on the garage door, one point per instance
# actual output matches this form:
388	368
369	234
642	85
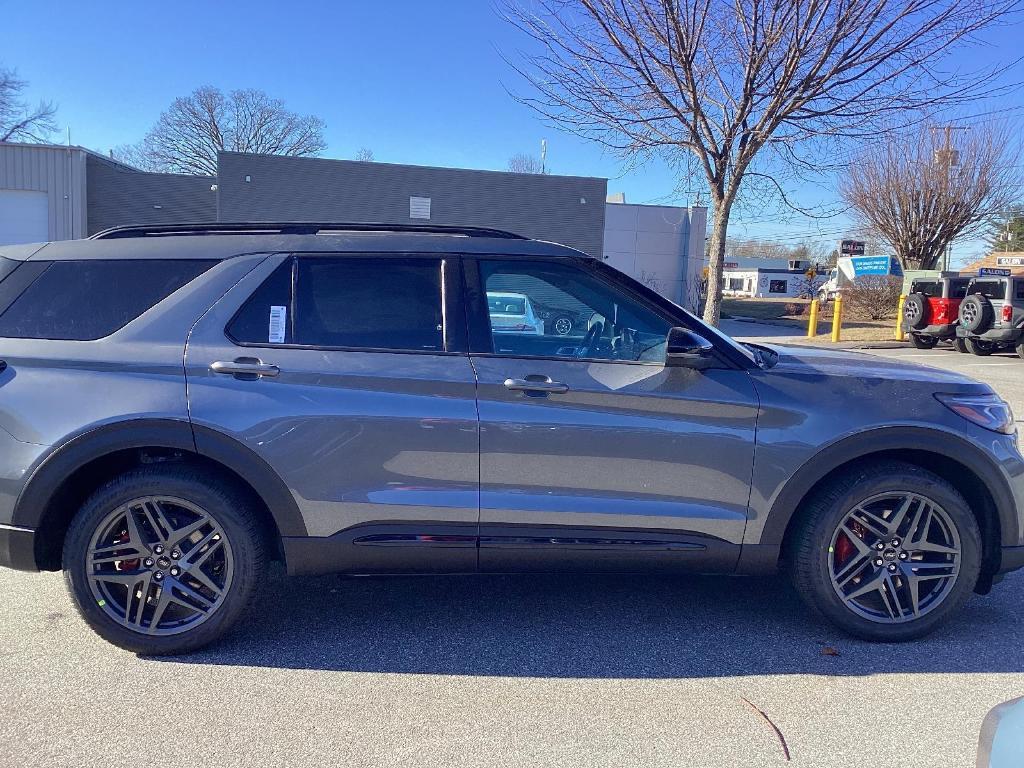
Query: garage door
24	217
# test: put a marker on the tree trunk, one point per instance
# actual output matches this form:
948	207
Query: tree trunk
716	258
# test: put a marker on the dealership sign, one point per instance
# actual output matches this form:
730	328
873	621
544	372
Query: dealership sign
993	272
1010	261
852	248
876	265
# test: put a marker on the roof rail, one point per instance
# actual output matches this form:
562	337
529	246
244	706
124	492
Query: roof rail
292	228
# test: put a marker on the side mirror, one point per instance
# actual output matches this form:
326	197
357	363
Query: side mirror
685	349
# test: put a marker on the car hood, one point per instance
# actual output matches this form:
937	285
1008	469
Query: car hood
863	365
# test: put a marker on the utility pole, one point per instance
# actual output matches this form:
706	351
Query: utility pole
948	157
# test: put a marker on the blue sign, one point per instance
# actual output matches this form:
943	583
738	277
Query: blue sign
993	272
876	265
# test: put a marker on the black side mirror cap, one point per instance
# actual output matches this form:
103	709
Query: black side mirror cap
686	349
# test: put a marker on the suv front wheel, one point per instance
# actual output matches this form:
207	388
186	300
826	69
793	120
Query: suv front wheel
164	560
886	552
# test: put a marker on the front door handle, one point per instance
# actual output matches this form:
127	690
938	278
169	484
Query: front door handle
245	368
536	383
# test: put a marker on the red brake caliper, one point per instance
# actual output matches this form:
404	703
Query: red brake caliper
844	547
125	565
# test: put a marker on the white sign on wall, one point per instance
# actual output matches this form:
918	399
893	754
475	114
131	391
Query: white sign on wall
419	207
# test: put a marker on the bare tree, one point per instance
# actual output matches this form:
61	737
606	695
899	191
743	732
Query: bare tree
920	194
523	163
188	136
719	82
18	120
364	155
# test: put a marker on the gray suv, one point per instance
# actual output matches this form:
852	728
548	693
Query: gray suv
180	406
992	314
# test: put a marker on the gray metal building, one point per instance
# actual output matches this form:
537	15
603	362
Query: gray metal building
59	193
42	193
567	209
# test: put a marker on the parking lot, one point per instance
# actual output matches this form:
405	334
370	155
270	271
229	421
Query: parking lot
528	671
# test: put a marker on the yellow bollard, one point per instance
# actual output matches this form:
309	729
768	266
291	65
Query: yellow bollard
812	322
837	317
900	335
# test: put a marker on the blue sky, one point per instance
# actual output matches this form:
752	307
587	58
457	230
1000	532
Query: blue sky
417	82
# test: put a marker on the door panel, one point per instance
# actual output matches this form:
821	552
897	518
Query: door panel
593	453
378	448
632	448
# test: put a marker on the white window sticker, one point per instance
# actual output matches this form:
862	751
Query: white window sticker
278	316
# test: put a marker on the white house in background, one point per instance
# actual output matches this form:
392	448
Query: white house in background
766	278
662	246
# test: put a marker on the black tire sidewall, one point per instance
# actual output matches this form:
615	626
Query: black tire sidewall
810	565
979	347
921	341
227	504
924	310
983	318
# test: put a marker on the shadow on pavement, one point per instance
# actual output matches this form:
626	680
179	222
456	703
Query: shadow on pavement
592	627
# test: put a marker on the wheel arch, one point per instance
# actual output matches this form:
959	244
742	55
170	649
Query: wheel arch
60	483
966	467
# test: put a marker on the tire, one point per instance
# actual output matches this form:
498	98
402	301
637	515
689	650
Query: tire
920	341
916	311
227	550
960	345
976	313
1020	349
979	347
813	547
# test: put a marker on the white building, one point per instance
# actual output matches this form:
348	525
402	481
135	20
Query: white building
662	246
766	278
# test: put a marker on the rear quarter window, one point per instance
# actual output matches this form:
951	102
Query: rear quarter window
87	300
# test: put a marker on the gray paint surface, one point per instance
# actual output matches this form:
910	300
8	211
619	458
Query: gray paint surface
119	194
60	172
314	189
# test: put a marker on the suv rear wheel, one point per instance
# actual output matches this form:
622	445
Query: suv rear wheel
979	347
164	560
886	552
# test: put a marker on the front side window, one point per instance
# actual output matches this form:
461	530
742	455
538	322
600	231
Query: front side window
347	302
562	310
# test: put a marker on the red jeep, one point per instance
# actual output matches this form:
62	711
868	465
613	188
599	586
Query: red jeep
930	313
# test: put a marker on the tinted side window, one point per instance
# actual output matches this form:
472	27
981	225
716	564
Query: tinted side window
927	287
86	300
369	303
957	289
266	317
1020	289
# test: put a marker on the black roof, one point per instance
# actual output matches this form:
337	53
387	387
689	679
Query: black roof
224	241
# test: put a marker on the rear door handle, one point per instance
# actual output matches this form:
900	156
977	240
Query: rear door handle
536	384
245	367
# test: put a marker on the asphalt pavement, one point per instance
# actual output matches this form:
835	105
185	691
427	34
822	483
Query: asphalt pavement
513	671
